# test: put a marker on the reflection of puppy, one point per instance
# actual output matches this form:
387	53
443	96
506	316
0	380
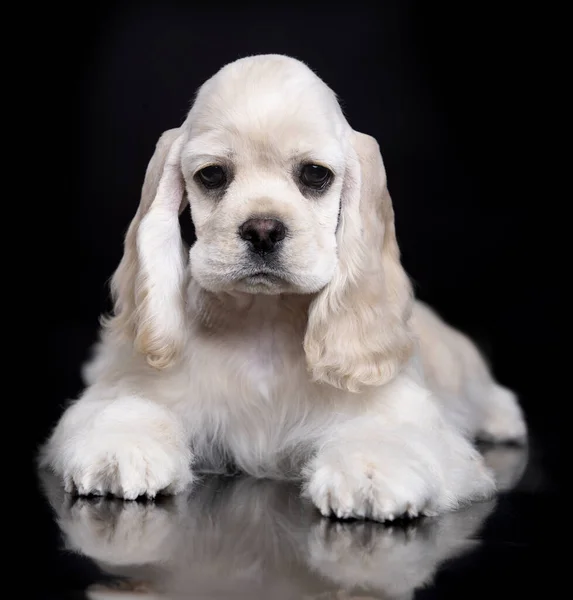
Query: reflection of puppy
257	538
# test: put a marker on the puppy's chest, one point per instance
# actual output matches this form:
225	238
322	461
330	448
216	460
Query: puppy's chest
263	363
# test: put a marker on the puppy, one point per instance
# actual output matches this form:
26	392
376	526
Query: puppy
286	342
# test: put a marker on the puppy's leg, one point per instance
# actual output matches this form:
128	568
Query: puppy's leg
456	371
502	417
128	446
402	460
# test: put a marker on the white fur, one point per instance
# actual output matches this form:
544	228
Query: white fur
330	372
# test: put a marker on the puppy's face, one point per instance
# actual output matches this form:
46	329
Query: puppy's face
264	165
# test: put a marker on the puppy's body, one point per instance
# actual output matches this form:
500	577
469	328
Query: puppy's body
307	358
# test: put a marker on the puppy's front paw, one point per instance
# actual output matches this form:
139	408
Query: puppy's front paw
128	448
371	486
410	473
128	468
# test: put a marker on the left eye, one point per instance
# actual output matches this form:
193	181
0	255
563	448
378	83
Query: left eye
315	176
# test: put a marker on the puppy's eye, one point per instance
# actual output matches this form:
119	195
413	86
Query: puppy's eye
212	177
315	176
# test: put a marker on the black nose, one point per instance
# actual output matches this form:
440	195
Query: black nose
262	234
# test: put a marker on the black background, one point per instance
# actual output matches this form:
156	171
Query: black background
460	97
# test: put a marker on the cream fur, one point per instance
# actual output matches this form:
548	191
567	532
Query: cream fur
329	372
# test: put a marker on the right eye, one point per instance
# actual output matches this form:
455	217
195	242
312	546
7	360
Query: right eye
212	177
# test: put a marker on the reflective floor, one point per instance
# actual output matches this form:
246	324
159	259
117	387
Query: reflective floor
237	537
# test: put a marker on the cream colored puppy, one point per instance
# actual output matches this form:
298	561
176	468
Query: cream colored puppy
286	342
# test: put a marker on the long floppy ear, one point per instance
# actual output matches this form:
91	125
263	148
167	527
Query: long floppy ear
358	333
147	287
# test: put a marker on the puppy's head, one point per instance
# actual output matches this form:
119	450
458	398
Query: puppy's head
264	165
286	199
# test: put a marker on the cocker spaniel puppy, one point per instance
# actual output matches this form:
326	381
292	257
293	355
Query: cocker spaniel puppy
286	342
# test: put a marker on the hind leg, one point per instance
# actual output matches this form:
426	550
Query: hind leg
458	375
502	420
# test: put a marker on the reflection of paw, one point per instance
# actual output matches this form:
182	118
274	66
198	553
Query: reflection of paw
504	421
118	532
337	542
128	448
362	486
124	589
394	560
